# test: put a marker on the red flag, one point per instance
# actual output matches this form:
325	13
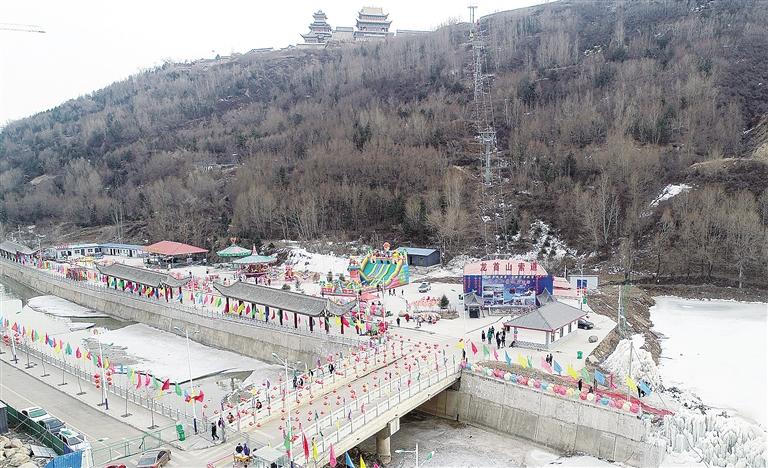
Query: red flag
199	397
138	384
344	321
78	354
305	444
474	348
15	328
273	314
332	460
166	384
146	380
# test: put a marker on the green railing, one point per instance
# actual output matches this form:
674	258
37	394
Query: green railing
22	423
128	447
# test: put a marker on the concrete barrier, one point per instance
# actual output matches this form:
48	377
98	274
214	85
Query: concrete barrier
568	426
250	340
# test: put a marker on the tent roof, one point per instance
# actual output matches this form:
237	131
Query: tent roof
268	454
15	247
173	248
550	316
141	275
233	251
255	259
312	306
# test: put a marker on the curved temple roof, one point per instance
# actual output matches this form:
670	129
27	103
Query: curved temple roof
141	275
312	306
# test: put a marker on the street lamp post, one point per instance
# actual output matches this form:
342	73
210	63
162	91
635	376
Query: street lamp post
189	368
104	398
285	396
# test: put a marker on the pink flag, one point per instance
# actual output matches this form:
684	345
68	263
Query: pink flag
495	355
545	365
332	460
138	384
146	379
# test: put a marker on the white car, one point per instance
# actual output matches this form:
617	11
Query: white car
74	440
35	413
424	287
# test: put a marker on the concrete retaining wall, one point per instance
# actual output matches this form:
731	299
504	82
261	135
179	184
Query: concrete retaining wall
252	341
568	426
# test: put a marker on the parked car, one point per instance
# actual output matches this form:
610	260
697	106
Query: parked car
424	287
586	324
52	424
154	458
35	413
74	440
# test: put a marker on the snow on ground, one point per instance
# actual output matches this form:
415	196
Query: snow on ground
716	349
545	243
302	260
59	307
165	354
454	268
643	366
540	458
132	261
669	191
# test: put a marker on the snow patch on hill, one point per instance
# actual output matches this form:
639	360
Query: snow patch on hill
669	191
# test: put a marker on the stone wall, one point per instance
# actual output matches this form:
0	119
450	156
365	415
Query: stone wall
566	425
257	342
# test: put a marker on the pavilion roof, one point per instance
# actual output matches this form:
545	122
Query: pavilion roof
234	250
549	317
312	306
255	260
172	248
141	275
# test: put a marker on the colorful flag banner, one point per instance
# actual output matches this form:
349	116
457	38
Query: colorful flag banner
631	384
585	375
522	361
572	372
558	369
507	358
644	387
348	460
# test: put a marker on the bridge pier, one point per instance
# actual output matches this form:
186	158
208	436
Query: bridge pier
382	446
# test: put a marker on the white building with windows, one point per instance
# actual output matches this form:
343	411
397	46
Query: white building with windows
544	325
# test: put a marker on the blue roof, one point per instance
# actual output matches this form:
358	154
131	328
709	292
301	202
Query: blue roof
419	251
123	246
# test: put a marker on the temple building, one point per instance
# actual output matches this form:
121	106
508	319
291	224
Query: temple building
319	30
372	24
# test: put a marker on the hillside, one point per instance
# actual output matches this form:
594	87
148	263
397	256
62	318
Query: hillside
598	106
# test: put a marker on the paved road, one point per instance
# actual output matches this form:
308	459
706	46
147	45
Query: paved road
21	390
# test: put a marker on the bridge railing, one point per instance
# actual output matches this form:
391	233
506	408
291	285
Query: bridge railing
346	426
350	364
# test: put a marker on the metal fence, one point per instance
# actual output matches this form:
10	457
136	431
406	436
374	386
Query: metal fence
22	423
144	401
129	447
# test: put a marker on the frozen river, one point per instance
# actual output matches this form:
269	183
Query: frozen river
717	349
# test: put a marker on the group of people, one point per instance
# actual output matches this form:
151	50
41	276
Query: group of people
500	335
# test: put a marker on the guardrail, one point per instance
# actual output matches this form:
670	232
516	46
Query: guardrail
128	447
136	398
352	340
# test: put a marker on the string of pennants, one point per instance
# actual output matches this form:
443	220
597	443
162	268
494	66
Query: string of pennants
526	362
135	377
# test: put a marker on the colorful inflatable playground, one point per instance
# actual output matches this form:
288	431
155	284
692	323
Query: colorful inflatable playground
378	269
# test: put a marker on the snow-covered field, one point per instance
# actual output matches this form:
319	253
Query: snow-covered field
165	354
669	191
717	349
59	307
715	353
302	260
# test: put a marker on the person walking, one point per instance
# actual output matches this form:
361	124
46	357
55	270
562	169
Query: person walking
580	384
482	335
498	339
398	321
504	338
214	436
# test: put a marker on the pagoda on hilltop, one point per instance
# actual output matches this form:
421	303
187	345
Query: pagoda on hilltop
319	30
372	24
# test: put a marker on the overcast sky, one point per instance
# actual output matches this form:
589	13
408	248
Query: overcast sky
91	43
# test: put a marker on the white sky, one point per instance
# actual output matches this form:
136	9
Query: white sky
89	44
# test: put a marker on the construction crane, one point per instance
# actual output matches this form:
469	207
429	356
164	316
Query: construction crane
32	28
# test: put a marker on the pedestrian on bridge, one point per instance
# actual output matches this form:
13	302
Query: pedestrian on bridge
214	436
